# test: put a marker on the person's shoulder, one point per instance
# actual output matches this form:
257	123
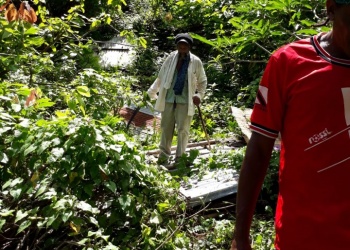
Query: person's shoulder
172	54
194	57
296	49
296	46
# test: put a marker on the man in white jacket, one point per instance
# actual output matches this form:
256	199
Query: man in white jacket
180	85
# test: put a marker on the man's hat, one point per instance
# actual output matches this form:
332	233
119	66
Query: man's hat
183	37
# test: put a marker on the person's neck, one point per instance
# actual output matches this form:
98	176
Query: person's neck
182	55
333	46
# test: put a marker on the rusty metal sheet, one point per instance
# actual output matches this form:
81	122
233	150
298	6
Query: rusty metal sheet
212	186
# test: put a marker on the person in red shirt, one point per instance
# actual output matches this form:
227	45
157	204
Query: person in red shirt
305	96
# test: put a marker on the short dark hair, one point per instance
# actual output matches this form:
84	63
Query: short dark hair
184	36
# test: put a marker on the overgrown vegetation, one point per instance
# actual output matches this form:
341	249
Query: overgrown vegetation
72	175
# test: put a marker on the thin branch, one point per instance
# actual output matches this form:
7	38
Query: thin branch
220	208
198	212
171	235
240	61
8	239
56	84
5	54
21	244
69	243
263	48
250	61
181	225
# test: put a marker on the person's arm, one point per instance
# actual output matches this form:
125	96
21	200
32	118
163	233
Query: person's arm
153	90
252	174
201	83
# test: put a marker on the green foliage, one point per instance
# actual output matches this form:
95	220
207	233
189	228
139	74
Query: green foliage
263	234
77	177
70	176
251	30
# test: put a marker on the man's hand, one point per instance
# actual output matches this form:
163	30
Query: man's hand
246	246
196	100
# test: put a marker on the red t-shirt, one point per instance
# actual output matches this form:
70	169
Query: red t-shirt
305	95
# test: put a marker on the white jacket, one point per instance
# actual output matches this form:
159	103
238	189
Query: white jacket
197	81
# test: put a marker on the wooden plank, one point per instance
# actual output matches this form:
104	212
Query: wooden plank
201	144
243	119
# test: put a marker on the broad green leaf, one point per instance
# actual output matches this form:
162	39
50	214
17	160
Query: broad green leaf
88	189
51	220
20	215
6	34
25	123
93	221
44	103
62	204
203	39
143	42
119	138
15	193
84	91
105	237
2	223
110	246
146	231
51	194
124	201
36	41
95	24
56	141
307	32
41	190
3	158
84	206
56	154
66	216
156	218
43	146
12	183
5	98
30	149
31	31
127	167
72	176
111	186
6	117
16	107
72	104
83	242
109	20
24	225
163	206
62	114
5	213
82	109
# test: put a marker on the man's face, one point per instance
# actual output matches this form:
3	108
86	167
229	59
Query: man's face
341	27
183	48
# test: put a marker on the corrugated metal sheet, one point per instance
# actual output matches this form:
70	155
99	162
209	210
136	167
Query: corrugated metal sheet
116	52
212	186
